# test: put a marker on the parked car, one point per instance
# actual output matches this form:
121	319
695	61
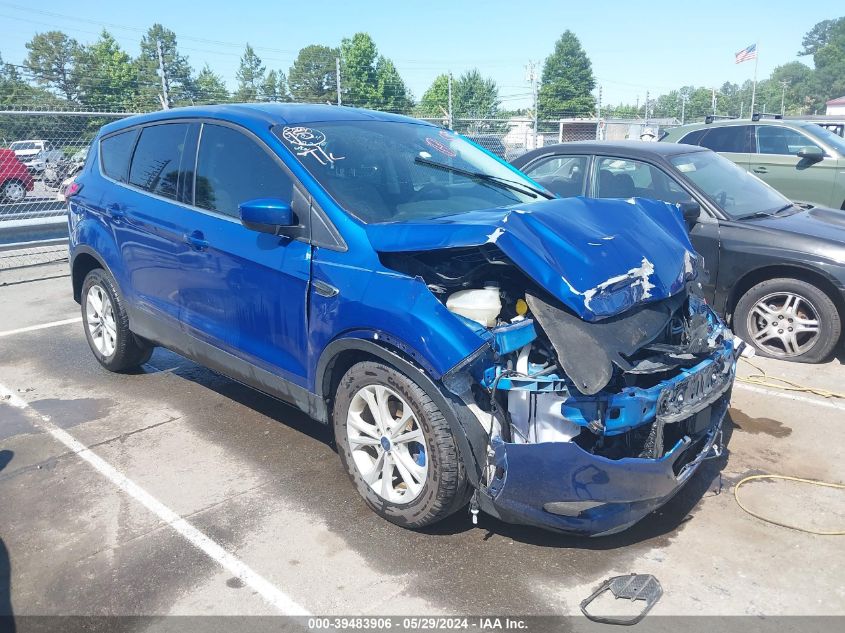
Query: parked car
15	179
36	155
802	160
468	337
776	270
59	171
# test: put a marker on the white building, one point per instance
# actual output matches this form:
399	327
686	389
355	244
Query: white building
836	107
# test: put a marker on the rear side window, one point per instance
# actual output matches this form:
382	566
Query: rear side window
733	138
232	168
693	137
116	151
163	162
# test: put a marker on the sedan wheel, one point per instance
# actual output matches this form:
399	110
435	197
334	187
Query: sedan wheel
100	318
789	319
387	444
14	191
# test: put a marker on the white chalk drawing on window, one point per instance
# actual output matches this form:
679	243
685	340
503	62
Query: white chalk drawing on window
307	141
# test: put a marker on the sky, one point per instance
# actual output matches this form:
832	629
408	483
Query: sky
651	46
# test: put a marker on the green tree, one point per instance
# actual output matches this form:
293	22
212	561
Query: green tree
392	94
358	56
250	76
474	96
177	70
820	35
275	87
829	59
53	59
435	100
313	76
567	80
108	79
14	91
209	87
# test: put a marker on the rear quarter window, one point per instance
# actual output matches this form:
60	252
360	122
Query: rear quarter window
115	152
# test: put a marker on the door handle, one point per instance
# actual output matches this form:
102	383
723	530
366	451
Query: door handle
196	240
760	170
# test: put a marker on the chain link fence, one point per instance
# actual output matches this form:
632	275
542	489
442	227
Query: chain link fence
40	151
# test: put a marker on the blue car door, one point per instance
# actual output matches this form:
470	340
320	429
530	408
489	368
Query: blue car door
244	292
148	220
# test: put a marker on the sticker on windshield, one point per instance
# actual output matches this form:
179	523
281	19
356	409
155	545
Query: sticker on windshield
308	141
438	146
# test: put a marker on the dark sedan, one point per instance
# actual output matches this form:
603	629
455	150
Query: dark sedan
776	270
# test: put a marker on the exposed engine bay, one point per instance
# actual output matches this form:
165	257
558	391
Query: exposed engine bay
632	385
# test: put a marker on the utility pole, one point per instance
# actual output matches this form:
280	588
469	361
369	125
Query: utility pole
783	86
531	76
713	92
646	107
450	100
684	99
164	97
599	131
337	79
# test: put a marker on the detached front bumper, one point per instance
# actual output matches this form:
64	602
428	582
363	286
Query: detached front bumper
561	486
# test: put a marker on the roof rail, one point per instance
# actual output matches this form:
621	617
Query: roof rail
765	115
717	117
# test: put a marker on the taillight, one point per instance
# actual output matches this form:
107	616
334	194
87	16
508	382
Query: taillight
73	189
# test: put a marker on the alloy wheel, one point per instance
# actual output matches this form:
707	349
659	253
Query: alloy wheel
784	324
99	314
387	444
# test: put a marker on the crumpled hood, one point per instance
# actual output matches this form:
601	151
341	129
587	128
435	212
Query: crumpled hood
599	257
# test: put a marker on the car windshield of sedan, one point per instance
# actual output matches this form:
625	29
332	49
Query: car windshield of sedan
738	193
386	171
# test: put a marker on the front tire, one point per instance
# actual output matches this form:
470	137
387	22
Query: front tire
107	325
397	447
788	319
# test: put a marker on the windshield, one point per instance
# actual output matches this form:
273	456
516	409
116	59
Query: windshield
24	145
826	136
385	171
737	192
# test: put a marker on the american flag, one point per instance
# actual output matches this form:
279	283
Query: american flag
746	53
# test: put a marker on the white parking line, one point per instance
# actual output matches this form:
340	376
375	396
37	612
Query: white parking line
272	594
791	396
42	326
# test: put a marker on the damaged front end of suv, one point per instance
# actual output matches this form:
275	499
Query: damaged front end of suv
601	378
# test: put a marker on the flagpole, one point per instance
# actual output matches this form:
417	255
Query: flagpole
754	89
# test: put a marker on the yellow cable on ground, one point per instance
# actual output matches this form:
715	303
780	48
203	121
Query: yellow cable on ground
784	477
764	380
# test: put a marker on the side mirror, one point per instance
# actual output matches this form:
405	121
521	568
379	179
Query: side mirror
691	211
811	153
266	215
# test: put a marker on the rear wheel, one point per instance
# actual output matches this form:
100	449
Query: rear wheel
107	325
789	319
397	447
13	191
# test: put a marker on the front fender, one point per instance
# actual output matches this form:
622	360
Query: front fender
470	437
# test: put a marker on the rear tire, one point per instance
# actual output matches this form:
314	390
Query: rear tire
788	319
107	325
13	191
405	462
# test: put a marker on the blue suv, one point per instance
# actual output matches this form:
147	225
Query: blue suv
471	339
